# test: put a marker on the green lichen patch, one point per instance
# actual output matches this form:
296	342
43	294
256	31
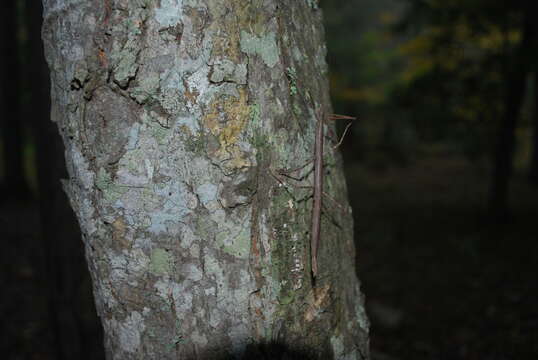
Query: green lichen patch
167	14
161	262
287	299
297	110
194	144
238	245
103	180
125	52
291	74
126	66
145	88
110	190
287	218
226	40
204	227
255	134
255	113
160	133
226	70
312	3
264	46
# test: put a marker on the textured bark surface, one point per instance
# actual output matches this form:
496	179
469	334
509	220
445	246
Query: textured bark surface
176	114
59	227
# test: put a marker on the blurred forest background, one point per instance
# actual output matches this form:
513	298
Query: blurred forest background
442	170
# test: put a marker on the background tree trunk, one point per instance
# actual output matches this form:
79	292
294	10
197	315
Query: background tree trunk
515	81
177	118
533	169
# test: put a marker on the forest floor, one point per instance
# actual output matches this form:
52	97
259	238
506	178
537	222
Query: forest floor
442	282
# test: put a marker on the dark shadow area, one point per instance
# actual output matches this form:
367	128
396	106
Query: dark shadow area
270	351
47	309
441	170
441	281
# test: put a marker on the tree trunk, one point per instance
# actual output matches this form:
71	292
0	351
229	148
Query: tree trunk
179	119
515	93
533	172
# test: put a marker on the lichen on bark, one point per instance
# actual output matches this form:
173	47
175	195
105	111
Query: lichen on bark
178	116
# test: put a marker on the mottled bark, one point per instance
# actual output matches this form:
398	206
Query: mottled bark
177	117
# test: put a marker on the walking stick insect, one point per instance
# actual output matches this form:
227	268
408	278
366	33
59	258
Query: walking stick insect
318	188
318	185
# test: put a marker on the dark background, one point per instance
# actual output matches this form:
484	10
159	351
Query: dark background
442	169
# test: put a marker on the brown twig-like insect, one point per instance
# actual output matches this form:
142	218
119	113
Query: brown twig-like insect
318	187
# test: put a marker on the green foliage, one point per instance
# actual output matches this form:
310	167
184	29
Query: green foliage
459	54
422	70
365	67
